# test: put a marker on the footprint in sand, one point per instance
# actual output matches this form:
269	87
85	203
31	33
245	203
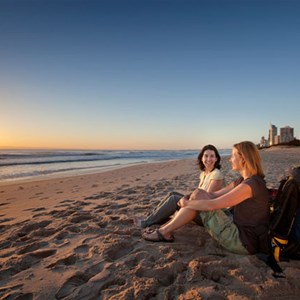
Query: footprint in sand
44	232
124	186
6	220
103	205
71	285
67	201
81	217
77	280
65	261
19	264
34	229
211	270
118	250
82	249
74	229
38	209
33	226
63	205
5	244
102	224
81	203
32	247
38	215
99	196
165	275
134	259
61	236
42	253
44	198
16	295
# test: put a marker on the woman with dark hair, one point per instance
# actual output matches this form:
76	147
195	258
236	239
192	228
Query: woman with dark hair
211	180
246	231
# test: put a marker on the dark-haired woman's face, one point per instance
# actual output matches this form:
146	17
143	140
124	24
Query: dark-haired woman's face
209	159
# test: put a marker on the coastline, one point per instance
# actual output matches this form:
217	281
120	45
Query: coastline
73	238
35	164
68	174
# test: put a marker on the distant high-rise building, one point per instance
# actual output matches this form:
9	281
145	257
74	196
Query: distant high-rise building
263	142
286	134
276	140
272	134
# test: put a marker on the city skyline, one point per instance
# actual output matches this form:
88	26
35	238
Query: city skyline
146	74
275	137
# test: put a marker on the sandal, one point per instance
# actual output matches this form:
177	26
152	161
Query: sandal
154	235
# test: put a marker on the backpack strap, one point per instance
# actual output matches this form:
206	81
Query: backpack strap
277	246
270	261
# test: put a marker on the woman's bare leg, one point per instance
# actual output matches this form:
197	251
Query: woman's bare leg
183	217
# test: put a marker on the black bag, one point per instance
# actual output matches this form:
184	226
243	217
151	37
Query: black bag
285	220
284	233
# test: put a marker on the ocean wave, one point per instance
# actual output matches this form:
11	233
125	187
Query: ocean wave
23	164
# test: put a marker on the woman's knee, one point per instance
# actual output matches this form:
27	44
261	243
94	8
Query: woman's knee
199	194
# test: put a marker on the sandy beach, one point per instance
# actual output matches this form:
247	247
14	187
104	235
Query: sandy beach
74	238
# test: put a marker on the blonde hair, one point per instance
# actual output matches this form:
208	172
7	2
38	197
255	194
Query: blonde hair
250	154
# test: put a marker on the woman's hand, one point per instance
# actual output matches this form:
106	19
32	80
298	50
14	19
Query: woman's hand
198	194
183	202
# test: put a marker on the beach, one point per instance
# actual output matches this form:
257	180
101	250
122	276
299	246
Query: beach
74	238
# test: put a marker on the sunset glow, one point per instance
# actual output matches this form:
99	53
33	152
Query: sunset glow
147	75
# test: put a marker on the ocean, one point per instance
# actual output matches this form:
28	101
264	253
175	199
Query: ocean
30	164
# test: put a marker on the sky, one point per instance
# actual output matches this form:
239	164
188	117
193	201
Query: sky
147	74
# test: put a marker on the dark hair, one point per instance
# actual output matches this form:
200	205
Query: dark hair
213	148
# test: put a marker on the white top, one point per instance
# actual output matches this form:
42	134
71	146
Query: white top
206	178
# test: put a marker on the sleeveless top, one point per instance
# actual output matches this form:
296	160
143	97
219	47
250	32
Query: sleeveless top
252	216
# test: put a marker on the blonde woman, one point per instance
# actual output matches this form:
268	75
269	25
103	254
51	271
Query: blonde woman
246	231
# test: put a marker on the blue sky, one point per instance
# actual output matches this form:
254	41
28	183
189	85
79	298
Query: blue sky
147	74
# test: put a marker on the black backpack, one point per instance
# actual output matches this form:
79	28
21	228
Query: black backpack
284	224
284	233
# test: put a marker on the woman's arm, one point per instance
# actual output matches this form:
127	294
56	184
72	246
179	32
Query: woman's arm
223	191
214	185
233	197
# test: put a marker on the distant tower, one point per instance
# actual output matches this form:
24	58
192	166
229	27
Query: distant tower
272	134
286	134
263	142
